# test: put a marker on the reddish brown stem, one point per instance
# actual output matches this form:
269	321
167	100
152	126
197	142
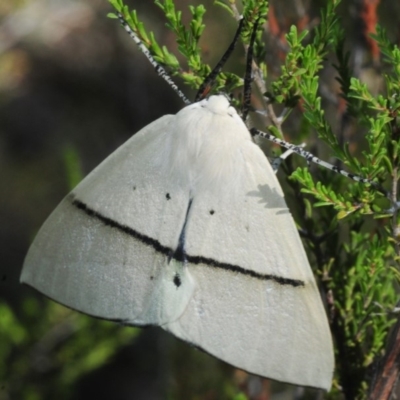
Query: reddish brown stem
386	376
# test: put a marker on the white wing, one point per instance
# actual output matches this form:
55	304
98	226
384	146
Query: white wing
104	249
185	226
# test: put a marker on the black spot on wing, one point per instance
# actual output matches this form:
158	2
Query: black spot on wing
168	196
212	212
177	280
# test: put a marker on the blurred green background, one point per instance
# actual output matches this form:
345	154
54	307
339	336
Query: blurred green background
73	87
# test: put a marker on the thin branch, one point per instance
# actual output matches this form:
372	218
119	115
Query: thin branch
395	227
258	79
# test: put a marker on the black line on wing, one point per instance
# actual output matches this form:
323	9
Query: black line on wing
240	270
126	229
179	253
171	253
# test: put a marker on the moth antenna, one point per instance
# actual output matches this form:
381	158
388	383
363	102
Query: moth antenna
210	79
248	75
311	158
159	69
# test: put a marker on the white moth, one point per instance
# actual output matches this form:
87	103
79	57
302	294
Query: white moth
185	226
